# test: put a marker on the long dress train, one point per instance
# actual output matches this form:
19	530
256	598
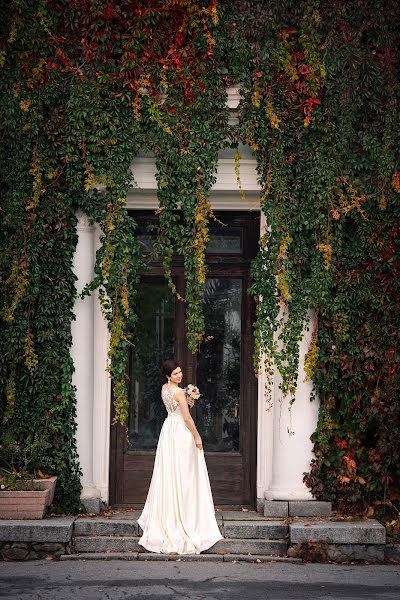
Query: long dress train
178	515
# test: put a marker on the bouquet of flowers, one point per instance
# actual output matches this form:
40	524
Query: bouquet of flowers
192	394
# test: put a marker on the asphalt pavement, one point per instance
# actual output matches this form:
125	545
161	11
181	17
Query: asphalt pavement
117	580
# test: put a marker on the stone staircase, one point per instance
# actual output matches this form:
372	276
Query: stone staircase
247	536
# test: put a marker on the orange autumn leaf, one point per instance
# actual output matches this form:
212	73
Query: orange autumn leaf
343	479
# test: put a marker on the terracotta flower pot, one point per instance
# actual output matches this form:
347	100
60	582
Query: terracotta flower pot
48	483
30	504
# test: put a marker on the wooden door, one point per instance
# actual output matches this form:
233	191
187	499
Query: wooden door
226	414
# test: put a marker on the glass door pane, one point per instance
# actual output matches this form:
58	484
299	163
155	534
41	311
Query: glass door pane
154	342
218	366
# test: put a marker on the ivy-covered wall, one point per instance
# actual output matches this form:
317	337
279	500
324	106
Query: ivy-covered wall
86	84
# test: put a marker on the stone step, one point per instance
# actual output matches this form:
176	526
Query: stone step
108	527
107	544
178	557
249	546
368	531
120	544
270	530
264	529
296	508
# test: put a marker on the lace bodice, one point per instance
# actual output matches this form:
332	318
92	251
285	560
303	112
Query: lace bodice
168	395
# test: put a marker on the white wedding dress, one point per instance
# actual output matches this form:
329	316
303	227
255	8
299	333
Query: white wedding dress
178	516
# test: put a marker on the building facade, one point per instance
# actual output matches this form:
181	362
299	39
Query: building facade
254	449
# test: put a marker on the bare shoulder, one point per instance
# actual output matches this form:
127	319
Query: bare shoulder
180	394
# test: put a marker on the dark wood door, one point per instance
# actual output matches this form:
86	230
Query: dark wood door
226	414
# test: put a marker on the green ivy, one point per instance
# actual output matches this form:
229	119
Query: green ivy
85	88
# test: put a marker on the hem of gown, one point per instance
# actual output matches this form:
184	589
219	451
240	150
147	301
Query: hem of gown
202	547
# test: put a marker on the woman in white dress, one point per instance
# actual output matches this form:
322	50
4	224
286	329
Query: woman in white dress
178	516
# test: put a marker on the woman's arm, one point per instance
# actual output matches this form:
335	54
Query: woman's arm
180	396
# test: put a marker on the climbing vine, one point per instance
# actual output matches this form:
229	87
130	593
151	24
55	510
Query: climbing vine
320	110
87	84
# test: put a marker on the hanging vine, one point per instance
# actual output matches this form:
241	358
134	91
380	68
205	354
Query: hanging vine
89	83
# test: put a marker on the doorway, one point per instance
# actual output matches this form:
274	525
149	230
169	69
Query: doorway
226	413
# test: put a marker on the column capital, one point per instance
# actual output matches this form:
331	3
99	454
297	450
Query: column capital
84	223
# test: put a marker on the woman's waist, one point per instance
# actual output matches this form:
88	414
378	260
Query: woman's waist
175	415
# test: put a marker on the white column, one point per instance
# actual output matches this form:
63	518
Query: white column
264	423
82	355
264	441
101	395
293	426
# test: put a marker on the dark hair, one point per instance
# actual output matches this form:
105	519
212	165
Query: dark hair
168	366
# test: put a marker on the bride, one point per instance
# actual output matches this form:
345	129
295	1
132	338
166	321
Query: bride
178	516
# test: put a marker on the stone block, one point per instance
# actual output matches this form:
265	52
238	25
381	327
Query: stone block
107	544
32	555
238	515
350	552
272	530
14	553
260	505
92	505
309	508
48	548
123	527
125	515
276	509
367	531
54	529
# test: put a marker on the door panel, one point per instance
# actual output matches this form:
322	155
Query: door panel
155	339
226	413
218	366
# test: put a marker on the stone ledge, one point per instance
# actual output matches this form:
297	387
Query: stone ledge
260	558
239	515
57	529
276	509
296	508
102	543
101	556
309	508
271	530
248	546
180	557
107	527
338	532
345	553
349	552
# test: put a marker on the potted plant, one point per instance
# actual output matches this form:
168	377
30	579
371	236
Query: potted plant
26	484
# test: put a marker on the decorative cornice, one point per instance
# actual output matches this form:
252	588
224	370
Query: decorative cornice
220	200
